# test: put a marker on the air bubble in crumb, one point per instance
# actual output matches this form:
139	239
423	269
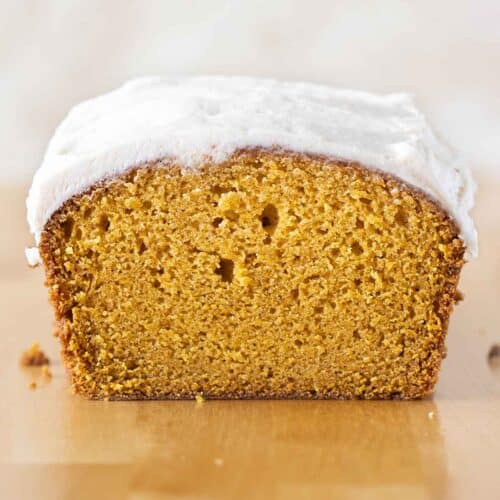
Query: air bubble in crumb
225	270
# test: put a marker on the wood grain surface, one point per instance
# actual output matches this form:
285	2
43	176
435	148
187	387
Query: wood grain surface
56	445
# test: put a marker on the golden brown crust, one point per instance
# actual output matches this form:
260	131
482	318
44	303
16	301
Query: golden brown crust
443	303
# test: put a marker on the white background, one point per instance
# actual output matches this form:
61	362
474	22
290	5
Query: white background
54	53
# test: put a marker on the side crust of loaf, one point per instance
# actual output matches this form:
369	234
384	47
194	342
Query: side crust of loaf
350	331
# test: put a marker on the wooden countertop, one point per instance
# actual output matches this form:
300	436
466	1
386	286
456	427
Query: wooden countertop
57	445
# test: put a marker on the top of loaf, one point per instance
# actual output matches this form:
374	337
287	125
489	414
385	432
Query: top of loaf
194	118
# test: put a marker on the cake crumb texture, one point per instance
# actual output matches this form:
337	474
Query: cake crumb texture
270	275
34	356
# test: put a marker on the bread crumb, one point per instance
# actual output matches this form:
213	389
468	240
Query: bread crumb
34	356
46	372
430	415
219	462
199	399
32	385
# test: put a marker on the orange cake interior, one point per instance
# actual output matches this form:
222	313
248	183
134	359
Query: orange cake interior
271	274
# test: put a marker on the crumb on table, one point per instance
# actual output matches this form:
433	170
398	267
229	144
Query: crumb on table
34	356
32	385
46	372
199	398
494	355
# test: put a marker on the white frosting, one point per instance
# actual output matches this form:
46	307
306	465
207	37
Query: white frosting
33	256
191	118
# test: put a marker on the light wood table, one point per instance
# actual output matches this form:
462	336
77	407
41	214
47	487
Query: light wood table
56	445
